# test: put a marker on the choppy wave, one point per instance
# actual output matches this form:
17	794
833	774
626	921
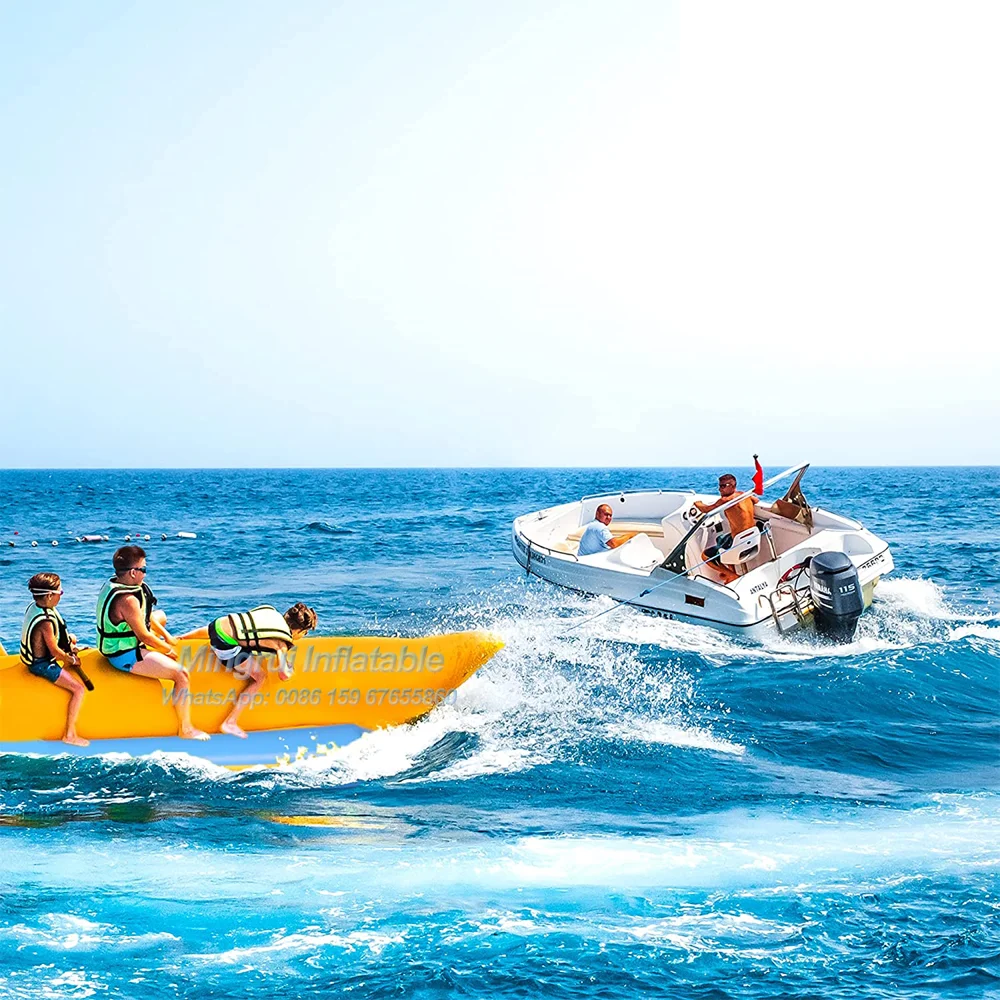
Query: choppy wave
325	528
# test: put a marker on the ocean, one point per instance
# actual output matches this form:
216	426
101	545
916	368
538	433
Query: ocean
638	807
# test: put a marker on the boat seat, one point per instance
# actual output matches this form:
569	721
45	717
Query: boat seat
744	547
786	533
652	528
640	553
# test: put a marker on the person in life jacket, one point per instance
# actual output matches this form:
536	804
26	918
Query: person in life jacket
133	637
740	517
242	640
46	643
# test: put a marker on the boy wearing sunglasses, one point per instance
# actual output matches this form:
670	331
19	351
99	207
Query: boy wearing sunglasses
46	643
132	637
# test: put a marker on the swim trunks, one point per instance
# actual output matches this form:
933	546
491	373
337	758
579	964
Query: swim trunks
230	653
126	660
48	669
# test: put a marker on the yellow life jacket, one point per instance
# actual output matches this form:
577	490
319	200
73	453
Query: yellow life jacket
33	617
252	626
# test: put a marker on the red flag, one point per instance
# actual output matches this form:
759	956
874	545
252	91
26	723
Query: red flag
758	478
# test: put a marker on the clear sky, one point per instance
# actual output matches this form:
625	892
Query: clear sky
519	233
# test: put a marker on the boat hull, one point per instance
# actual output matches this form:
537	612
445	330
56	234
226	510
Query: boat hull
341	687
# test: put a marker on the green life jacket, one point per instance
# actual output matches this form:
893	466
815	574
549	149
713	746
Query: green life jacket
112	638
33	617
256	624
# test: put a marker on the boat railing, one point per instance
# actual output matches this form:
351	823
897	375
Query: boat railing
532	546
625	493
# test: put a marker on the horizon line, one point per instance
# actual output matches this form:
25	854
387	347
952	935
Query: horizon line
456	468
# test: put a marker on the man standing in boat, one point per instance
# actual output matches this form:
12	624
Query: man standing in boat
740	516
127	627
597	536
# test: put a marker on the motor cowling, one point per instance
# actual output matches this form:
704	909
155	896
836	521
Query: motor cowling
836	595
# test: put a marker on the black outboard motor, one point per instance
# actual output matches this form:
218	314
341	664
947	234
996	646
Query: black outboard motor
836	595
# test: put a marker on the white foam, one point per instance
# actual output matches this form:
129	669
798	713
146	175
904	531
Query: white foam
976	631
65	932
918	596
664	733
753	850
748	850
526	707
305	942
710	932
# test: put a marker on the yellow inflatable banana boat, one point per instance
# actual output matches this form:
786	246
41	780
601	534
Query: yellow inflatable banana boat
340	688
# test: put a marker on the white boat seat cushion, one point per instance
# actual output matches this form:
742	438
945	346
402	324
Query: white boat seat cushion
621	528
745	546
640	553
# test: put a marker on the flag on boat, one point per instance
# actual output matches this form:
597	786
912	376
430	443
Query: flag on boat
758	478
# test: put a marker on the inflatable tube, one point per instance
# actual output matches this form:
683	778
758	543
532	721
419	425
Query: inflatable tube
340	688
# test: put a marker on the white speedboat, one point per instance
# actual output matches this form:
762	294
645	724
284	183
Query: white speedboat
798	566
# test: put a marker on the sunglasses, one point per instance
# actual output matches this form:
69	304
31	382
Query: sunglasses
137	569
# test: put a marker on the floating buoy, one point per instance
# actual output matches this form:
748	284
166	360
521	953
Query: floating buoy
128	538
54	542
34	545
92	538
11	544
186	534
145	538
163	538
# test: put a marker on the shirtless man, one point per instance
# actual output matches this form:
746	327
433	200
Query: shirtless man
740	517
127	630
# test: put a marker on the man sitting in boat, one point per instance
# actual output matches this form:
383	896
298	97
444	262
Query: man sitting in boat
740	517
242	639
127	637
597	535
46	643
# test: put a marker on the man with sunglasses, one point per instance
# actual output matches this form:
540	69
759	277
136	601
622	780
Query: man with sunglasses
740	517
127	628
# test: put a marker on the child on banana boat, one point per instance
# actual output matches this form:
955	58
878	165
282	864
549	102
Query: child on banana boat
46	643
133	637
242	639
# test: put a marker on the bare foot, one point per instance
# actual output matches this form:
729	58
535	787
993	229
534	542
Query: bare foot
193	734
233	730
75	741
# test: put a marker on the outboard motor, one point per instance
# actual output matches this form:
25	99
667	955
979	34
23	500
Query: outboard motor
836	595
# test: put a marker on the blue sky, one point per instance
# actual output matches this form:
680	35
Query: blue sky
498	234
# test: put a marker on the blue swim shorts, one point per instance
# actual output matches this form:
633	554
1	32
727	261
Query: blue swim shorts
48	669
125	661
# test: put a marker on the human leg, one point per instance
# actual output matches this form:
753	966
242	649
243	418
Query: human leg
160	666
76	689
253	670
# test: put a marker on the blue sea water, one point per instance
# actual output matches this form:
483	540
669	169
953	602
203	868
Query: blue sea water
640	807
